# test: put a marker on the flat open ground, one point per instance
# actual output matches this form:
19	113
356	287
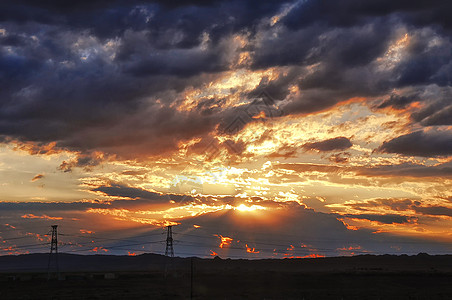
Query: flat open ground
362	277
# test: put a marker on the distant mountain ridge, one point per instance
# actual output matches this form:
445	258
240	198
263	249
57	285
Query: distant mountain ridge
156	262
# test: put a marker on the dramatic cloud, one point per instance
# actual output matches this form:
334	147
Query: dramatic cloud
349	12
420	143
398	102
396	205
32	216
442	117
118	190
119	62
334	144
408	170
387	218
435	210
126	60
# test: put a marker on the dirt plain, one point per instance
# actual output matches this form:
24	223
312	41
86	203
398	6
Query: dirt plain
156	277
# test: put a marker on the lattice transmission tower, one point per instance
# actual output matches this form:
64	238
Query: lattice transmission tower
53	255
169	251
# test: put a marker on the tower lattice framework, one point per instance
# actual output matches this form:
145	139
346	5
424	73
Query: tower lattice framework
53	255
169	251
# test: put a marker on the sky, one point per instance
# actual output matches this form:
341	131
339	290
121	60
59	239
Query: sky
257	129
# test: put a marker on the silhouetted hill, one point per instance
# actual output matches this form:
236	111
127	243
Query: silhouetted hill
82	263
156	262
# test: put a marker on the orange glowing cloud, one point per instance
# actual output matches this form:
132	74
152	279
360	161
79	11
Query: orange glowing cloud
99	249
38	236
313	255
84	231
261	115
290	254
32	216
36	148
251	250
350	227
225	241
213	253
350	248
129	216
131	254
291	249
11	250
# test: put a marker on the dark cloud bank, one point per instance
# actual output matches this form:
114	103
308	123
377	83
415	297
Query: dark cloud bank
87	74
334	144
426	144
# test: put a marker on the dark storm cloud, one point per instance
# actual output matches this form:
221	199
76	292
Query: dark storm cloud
351	12
346	38
119	190
441	117
261	108
420	143
178	62
408	170
81	112
82	160
59	83
336	64
435	210
277	89
443	170
428	63
385	219
346	47
398	102
127	198
37	207
425	73
106	75
396	204
437	111
402	205
108	19
334	144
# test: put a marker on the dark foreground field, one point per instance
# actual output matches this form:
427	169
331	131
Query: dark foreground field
155	277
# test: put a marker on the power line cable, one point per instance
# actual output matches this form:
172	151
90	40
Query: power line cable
111	247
